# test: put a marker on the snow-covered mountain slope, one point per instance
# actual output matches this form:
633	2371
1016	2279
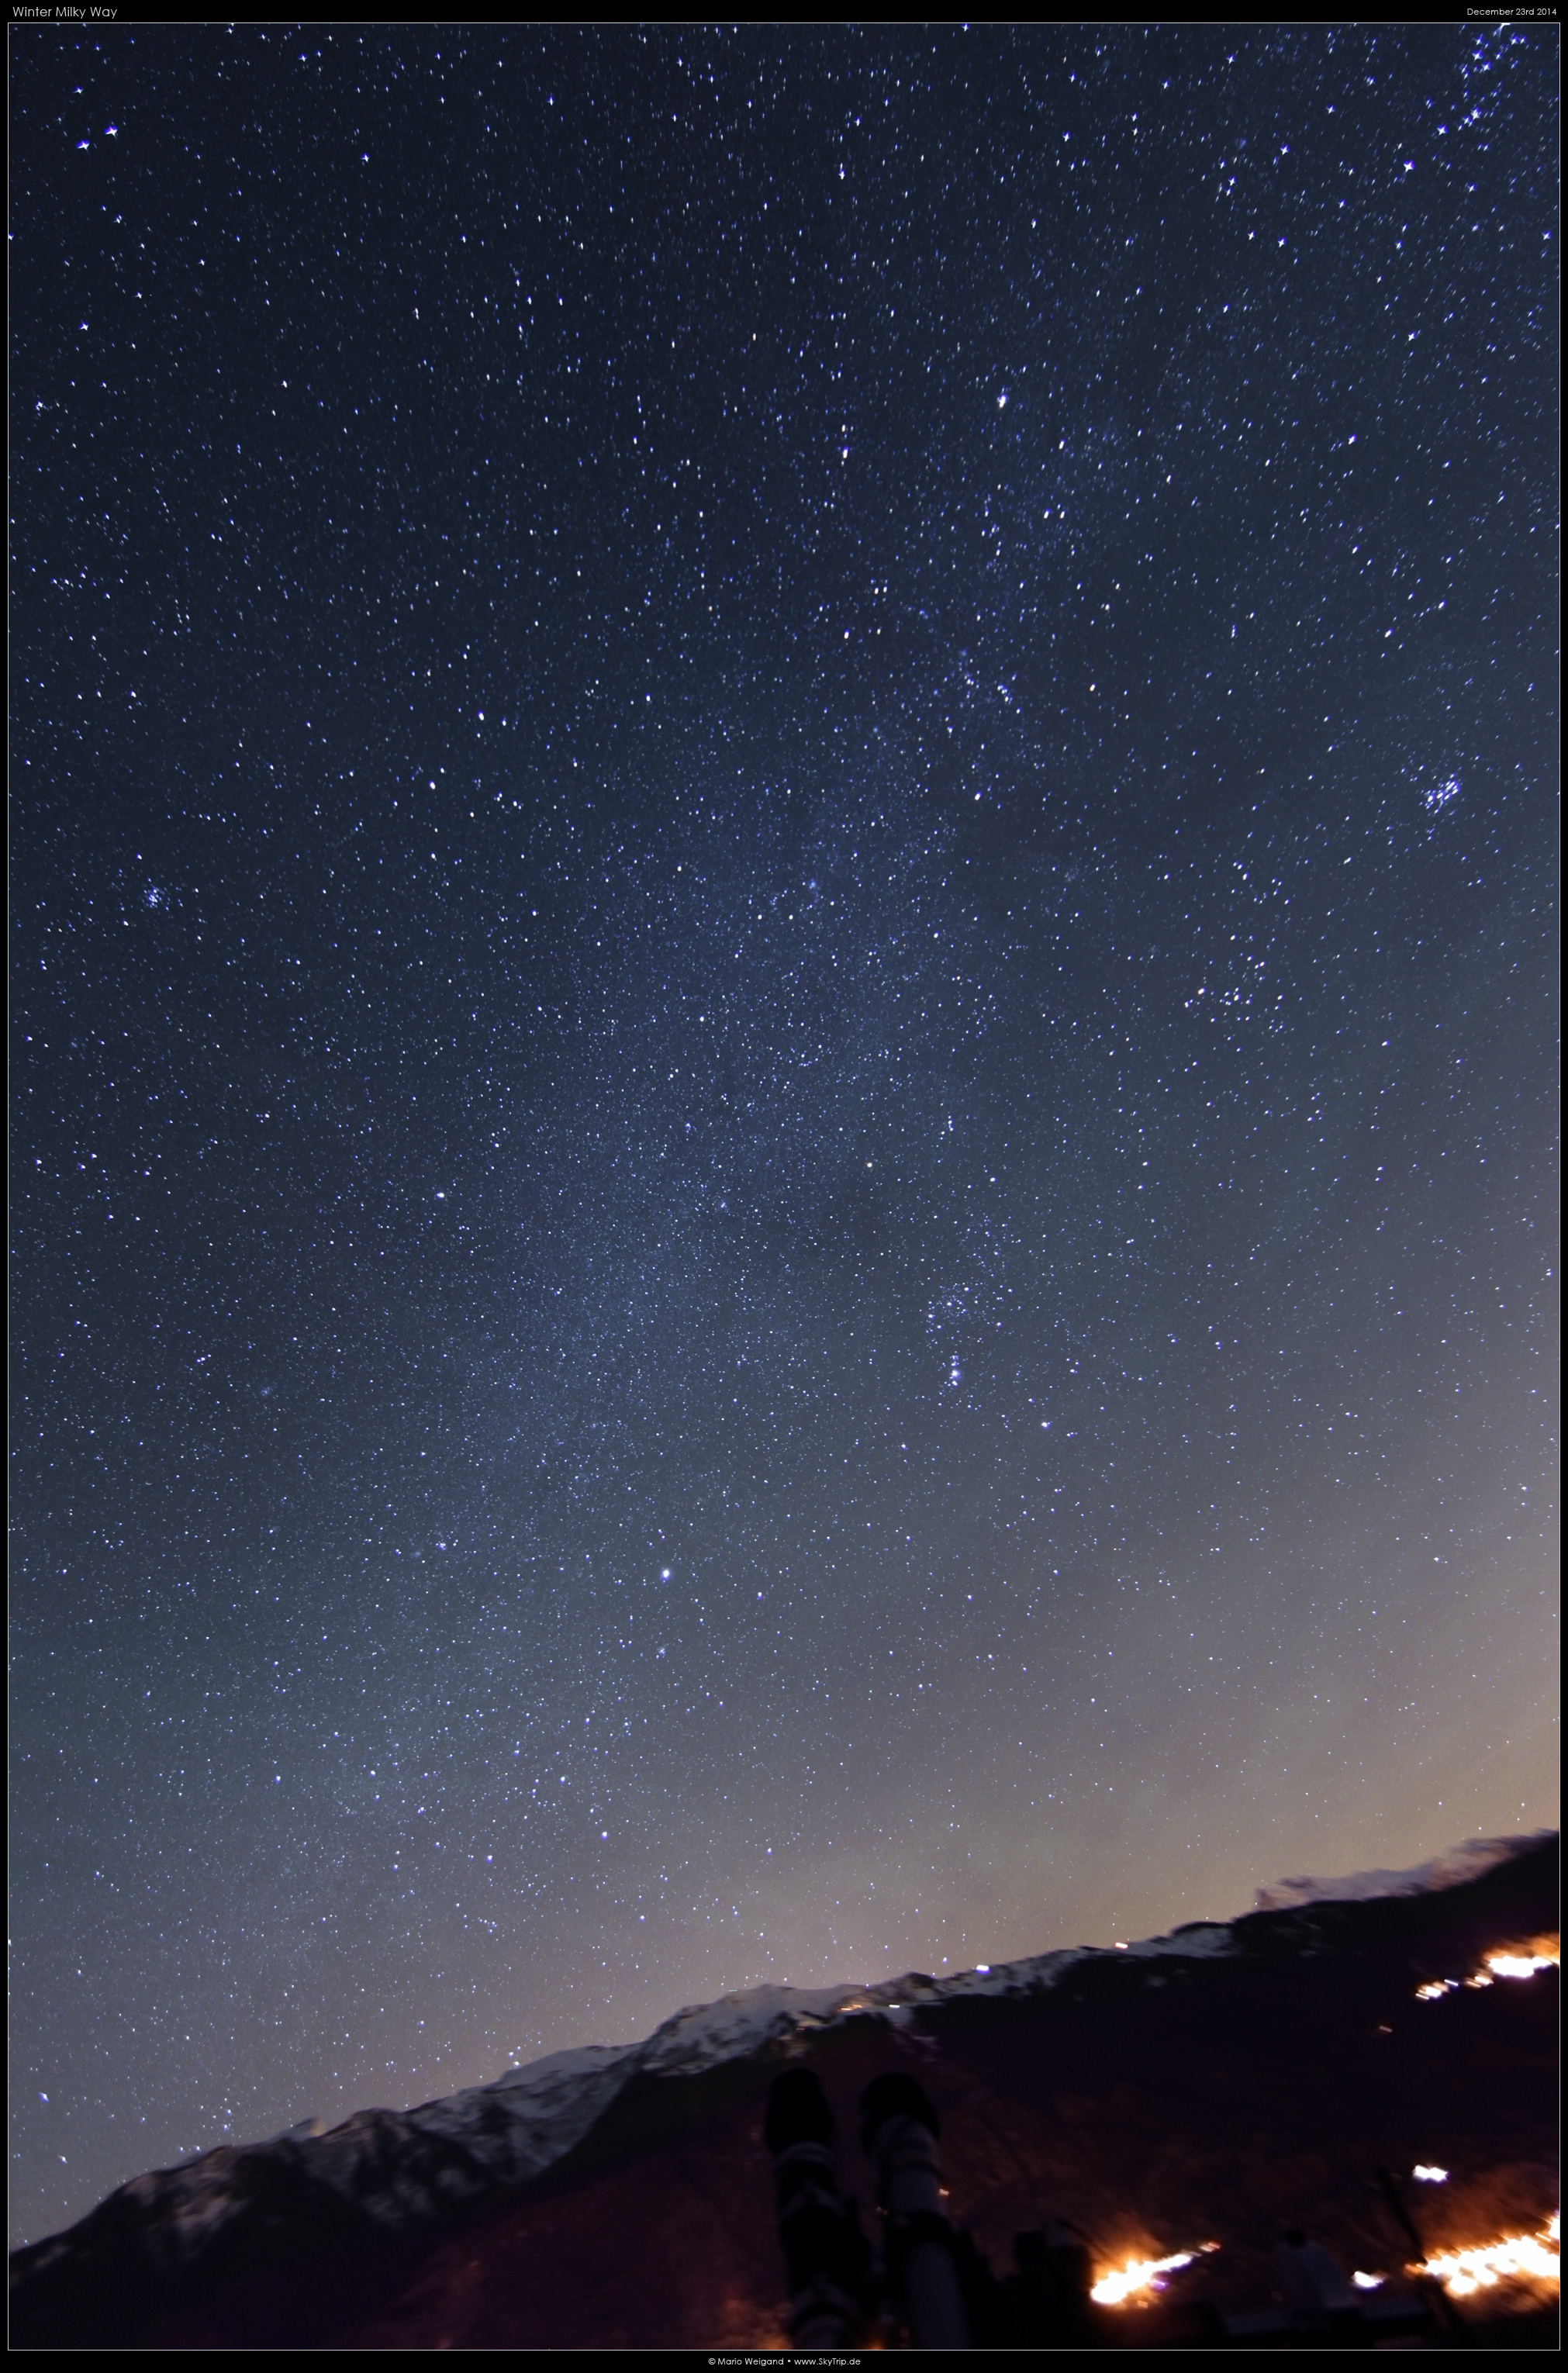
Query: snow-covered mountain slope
390	2172
399	2168
402	2167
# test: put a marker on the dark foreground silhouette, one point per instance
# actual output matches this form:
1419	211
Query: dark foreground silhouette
1219	2085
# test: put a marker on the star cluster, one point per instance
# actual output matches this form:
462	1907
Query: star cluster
783	922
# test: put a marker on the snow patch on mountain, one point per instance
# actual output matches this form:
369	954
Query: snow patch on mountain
1471	1860
739	2023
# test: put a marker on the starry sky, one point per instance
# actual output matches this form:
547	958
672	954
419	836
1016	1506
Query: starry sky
783	1090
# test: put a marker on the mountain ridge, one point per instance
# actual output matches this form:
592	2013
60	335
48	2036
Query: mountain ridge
173	2234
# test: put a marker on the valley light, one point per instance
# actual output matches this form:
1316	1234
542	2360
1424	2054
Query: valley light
1533	2256
1523	1960
1138	2275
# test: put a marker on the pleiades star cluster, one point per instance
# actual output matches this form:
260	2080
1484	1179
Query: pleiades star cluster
783	951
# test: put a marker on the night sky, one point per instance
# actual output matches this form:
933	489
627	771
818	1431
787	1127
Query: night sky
783	866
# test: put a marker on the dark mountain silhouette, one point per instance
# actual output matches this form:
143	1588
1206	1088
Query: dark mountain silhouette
1207	2087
